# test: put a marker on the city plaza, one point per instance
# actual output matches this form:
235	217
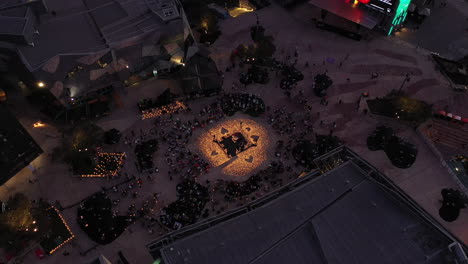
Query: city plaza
349	63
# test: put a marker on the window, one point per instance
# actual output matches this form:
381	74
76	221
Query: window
168	12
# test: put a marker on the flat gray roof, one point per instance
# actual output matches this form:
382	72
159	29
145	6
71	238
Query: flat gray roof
340	217
14	12
11	3
80	38
345	9
12	25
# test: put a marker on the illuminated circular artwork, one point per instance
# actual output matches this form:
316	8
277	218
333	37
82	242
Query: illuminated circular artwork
236	147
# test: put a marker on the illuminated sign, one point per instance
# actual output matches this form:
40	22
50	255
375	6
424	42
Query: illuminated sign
400	14
385	2
382	5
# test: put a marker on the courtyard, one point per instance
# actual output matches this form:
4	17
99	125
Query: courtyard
223	162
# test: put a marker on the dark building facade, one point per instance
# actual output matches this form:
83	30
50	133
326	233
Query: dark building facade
75	48
17	147
385	16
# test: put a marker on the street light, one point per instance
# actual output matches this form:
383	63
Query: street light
40	84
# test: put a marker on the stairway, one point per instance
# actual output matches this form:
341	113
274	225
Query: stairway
448	133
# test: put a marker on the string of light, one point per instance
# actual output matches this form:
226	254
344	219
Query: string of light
246	161
159	111
109	165
68	228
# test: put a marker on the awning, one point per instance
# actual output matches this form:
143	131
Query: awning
359	15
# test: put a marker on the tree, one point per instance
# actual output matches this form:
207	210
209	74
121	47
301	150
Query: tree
305	152
86	136
78	150
97	220
453	202
379	138
209	27
112	136
265	48
17	224
397	105
402	154
257	33
322	83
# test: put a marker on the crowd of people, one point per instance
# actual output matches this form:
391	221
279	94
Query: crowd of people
247	103
180	160
321	83
172	135
144	153
172	132
183	165
306	151
129	193
191	200
290	77
266	178
258	73
290	123
255	74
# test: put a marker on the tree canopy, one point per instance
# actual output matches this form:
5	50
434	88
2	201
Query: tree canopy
17	224
78	149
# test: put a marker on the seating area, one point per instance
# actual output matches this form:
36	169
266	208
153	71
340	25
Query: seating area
449	134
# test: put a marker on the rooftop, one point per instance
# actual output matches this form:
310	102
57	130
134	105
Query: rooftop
15	25
83	27
17	147
357	14
335	218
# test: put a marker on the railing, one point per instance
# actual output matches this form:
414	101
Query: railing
375	175
345	154
437	153
204	224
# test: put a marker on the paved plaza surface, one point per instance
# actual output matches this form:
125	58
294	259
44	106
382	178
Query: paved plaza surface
291	29
445	31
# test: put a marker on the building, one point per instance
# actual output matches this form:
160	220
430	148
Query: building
349	214
78	47
456	72
101	260
200	76
385	16
17	147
